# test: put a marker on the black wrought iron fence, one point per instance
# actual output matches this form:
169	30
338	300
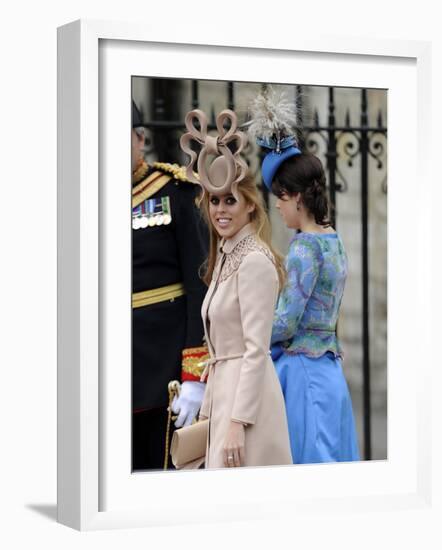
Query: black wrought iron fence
342	144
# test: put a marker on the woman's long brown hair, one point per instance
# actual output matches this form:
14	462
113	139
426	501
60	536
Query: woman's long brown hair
259	220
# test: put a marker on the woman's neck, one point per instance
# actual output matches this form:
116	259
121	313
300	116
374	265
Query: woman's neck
310	226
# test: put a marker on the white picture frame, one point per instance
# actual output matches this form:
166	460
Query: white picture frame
95	488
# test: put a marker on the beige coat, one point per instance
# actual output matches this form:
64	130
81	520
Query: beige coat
242	383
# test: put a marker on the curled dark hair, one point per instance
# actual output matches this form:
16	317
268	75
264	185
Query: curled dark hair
304	174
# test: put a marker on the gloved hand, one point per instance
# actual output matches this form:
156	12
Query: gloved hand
188	403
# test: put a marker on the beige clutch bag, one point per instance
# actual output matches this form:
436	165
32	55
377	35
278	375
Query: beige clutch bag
188	447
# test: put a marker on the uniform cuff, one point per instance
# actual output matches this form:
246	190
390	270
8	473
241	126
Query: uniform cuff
193	363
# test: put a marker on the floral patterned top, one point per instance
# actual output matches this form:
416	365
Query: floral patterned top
308	306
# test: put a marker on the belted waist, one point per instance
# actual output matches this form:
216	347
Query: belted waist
156	295
210	362
214	360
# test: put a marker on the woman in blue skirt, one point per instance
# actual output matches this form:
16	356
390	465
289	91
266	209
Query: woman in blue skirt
305	348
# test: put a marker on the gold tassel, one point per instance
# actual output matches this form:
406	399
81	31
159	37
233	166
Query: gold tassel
174	389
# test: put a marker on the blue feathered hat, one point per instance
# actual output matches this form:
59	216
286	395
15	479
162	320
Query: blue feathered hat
273	124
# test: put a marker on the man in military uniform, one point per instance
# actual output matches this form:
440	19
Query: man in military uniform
168	249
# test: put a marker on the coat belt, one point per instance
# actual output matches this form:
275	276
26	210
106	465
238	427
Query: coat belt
156	295
210	362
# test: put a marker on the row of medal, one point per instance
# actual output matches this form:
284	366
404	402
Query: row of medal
151	212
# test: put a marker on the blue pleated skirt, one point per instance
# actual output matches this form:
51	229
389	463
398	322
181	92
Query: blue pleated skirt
319	409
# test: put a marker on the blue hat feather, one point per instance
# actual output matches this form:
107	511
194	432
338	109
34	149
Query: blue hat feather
274	125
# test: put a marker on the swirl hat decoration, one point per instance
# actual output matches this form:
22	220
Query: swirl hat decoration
222	174
274	125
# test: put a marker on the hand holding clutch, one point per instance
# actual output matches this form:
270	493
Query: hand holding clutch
188	447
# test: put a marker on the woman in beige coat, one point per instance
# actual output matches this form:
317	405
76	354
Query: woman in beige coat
243	399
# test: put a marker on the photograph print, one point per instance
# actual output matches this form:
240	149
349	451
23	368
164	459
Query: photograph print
259	274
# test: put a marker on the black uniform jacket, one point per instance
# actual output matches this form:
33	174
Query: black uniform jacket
164	255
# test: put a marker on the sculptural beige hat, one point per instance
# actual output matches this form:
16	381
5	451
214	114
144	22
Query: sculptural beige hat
219	169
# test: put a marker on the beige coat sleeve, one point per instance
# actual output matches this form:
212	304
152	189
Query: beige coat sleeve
204	410
257	293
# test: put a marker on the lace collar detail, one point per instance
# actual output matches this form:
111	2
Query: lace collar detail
230	259
228	245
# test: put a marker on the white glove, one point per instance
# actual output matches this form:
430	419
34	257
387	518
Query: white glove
188	403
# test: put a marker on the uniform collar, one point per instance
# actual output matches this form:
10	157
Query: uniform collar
227	245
